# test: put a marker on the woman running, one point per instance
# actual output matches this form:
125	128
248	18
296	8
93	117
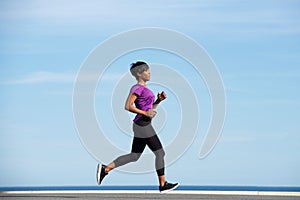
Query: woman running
141	101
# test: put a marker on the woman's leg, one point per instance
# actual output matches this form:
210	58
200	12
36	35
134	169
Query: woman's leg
156	147
138	146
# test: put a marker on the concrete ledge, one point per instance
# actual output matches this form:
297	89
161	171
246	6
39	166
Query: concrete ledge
195	192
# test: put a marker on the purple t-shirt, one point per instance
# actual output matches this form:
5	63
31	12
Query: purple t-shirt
145	98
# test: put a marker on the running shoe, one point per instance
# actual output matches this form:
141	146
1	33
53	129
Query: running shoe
100	173
168	187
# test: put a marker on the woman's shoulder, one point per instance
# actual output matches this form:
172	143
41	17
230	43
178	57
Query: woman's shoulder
137	88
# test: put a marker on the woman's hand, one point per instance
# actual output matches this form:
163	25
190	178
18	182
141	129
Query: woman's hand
161	96
150	113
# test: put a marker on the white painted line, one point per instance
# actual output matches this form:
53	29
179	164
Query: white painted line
262	193
196	192
83	192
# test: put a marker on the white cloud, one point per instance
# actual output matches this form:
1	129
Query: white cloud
225	16
270	75
245	136
55	10
61	77
43	77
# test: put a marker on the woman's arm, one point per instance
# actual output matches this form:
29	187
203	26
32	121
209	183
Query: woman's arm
131	108
160	97
129	104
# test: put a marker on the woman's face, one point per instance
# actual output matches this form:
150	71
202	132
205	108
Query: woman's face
145	76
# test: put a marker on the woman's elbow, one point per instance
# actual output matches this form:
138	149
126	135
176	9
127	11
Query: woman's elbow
127	107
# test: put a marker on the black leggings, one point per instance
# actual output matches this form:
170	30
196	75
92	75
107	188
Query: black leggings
139	143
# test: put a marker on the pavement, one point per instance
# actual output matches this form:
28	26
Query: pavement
148	195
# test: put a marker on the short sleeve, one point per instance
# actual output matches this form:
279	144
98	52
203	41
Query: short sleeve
137	89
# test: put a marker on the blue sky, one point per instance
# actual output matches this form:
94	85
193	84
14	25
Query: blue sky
254	44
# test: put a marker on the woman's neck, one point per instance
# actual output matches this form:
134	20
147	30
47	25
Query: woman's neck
142	82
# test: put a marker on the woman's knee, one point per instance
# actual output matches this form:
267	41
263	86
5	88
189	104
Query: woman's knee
135	156
160	153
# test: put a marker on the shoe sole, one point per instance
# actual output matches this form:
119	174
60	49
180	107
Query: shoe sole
169	190
99	168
